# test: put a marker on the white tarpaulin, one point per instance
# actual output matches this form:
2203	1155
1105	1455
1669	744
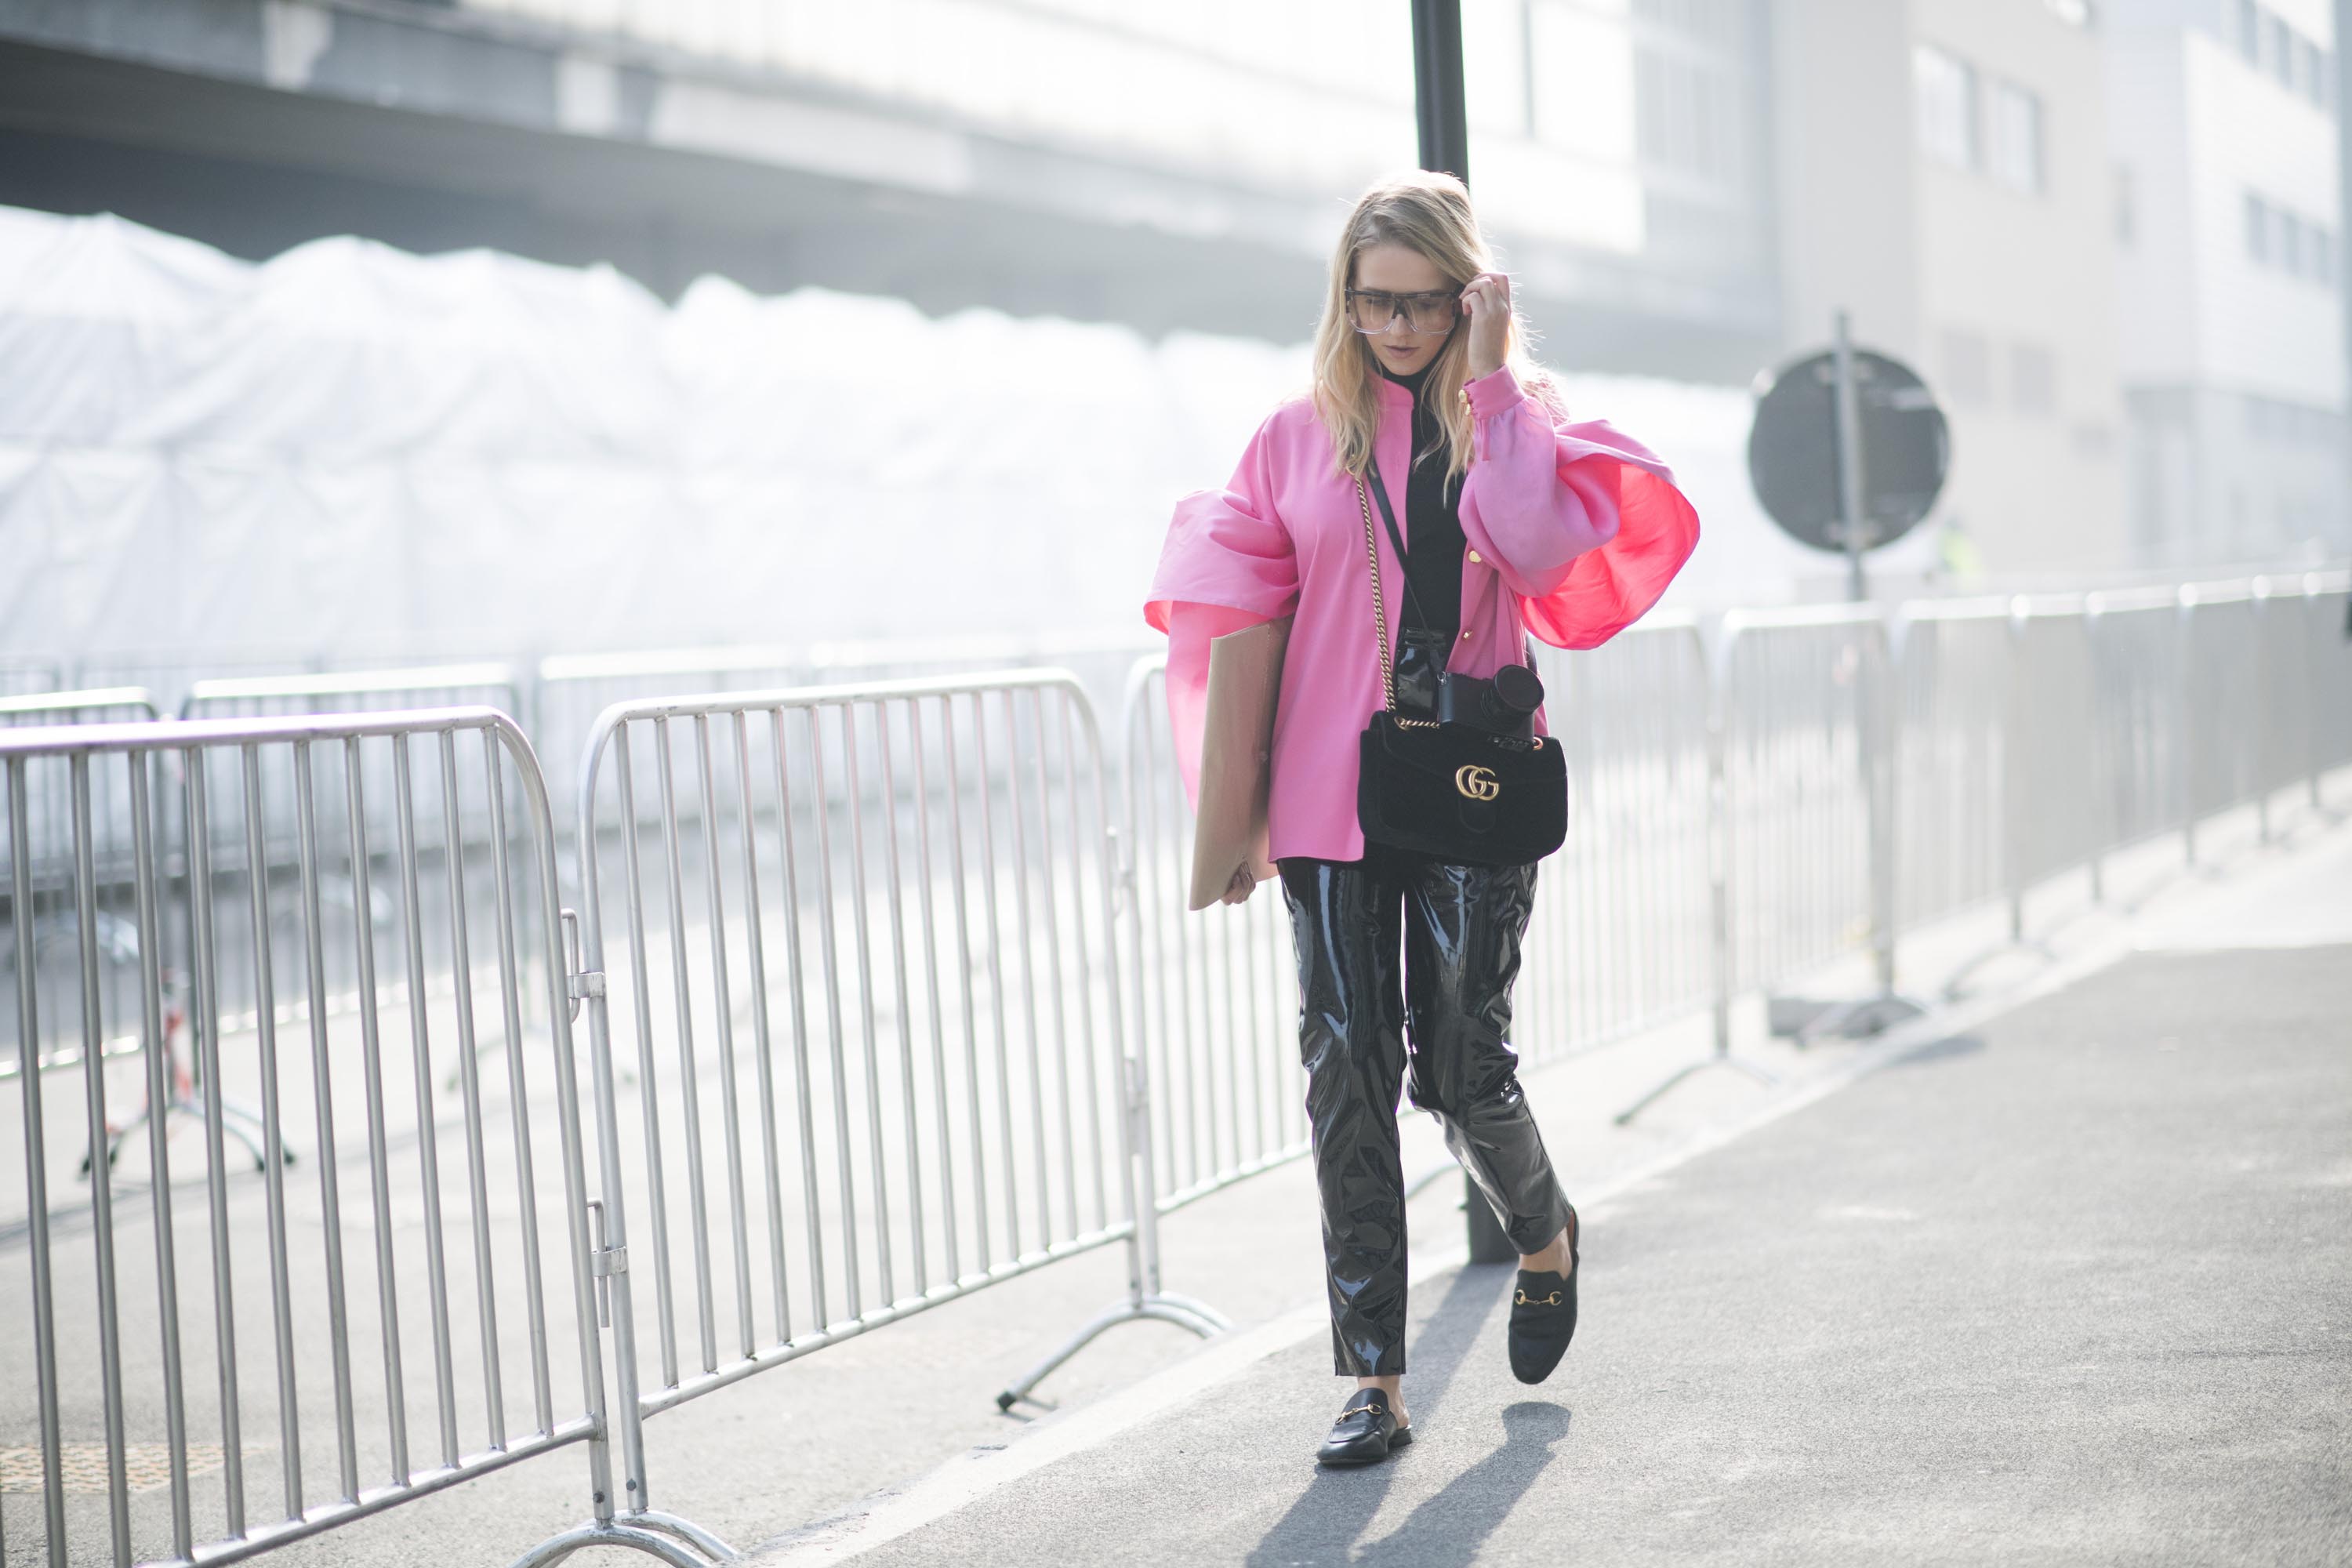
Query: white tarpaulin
353	449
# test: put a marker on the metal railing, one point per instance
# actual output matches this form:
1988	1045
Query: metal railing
1216	994
417	686
901	1001
122	1345
27	674
43	917
1621	936
1791	788
870	998
1795	702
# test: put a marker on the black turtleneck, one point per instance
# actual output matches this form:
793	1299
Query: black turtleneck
1432	521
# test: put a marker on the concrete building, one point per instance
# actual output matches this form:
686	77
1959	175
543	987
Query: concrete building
1943	173
2054	210
1163	165
2228	220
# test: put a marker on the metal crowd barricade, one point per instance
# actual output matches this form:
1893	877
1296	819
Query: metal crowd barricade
2285	675
412	686
573	689
2051	820
487	684
2302	671
1100	661
134	1345
2328	653
1799	692
43	917
1958	680
2222	710
2040	807
1215	993
357	691
24	674
868	997
2140	742
1622	938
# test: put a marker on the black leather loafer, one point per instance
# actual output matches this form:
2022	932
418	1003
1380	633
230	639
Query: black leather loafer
1543	1314
1366	1432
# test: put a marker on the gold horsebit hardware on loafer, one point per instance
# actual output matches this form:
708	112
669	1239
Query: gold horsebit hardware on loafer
1521	1299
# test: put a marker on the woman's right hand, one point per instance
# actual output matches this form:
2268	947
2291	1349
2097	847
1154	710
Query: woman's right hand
1241	887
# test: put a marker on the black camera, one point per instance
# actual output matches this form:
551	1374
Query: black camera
1503	706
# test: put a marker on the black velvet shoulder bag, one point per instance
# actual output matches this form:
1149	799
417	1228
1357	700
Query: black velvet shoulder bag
1473	785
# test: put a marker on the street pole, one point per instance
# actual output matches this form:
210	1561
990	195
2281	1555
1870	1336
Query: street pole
1443	120
2343	190
1874	688
1849	459
1438	107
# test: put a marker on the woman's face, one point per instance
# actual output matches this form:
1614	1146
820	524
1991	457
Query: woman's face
1393	269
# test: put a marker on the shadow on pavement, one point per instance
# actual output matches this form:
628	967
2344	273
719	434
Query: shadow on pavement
1337	1505
1448	1530
1950	1046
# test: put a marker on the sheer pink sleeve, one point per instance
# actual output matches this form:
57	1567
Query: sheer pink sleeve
1584	522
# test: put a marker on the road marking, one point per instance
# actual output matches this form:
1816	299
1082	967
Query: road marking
974	1475
966	1479
2249	942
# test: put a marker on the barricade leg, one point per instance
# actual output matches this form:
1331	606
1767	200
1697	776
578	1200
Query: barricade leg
656	1534
539	1281
1145	1301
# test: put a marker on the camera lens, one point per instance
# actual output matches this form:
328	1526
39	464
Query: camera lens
1517	691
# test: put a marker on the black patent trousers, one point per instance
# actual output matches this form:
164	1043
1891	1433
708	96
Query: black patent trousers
1457	930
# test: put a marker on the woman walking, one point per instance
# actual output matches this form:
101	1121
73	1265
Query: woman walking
1516	522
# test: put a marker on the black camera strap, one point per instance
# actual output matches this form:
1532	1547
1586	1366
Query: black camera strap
1396	537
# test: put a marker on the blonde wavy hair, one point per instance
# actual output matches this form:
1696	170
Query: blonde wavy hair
1429	213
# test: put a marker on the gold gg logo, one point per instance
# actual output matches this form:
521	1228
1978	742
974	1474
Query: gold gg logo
1478	783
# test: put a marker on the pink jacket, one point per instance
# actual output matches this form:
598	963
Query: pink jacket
1573	531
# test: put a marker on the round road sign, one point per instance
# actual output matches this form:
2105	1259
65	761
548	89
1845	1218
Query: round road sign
1906	450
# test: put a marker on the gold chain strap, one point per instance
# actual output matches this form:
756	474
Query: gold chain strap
1380	614
1380	609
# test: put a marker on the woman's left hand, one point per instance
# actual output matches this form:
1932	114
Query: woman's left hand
1487	300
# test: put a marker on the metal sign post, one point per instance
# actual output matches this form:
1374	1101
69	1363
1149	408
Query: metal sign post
1849	459
1848	453
1443	120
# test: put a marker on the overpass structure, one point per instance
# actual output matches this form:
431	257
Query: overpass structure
1170	167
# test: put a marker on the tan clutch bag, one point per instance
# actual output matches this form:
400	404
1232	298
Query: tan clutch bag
1236	759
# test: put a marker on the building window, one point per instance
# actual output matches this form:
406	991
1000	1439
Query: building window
1687	115
1714	21
2014	153
1947	106
1967	368
2033	379
2269	44
2297	246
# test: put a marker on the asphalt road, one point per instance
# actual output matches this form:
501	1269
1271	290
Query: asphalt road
2076	1289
